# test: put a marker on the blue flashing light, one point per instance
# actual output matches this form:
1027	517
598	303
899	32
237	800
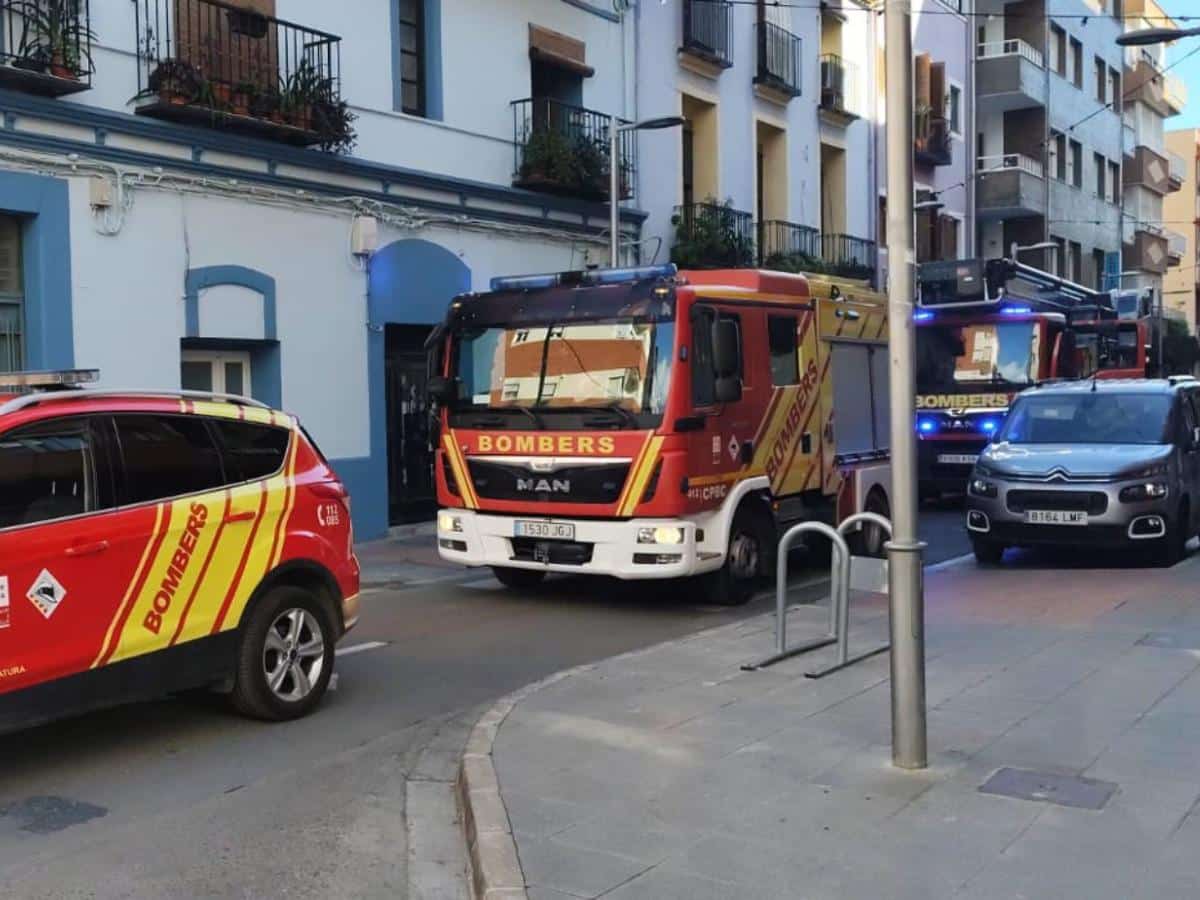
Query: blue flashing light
922	316
588	277
525	282
989	426
926	426
633	273
1017	310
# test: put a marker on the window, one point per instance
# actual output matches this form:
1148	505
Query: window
1101	80
1076	164
1058	156
1074	262
12	313
949	229
47	471
882	229
1114	182
1058	256
167	456
1058	50
1077	63
1114	90
704	375
1098	269
954	108
251	451
412	56
218	373
1101	170
781	335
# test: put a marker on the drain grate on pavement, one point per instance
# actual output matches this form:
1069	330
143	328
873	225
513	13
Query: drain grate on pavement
1049	787
46	815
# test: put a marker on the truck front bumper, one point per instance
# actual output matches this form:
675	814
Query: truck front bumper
598	548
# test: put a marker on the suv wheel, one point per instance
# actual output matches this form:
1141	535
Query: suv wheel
987	553
285	658
518	579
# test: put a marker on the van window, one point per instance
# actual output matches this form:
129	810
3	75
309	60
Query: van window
781	334
167	456
47	471
251	451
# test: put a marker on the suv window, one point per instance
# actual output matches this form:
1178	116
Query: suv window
167	456
251	451
47	471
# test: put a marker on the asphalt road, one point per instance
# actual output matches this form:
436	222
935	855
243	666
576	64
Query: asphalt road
181	798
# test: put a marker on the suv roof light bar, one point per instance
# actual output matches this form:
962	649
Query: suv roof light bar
593	277
28	400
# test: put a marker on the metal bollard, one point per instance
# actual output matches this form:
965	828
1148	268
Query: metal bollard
839	574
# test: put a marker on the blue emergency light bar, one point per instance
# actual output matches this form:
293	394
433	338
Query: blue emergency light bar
589	277
1016	310
922	316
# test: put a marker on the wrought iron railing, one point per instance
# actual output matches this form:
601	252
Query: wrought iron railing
786	245
931	139
11	339
712	236
242	65
708	30
837	85
778	58
564	149
47	38
848	255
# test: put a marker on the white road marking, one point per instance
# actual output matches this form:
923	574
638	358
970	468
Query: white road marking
360	648
950	563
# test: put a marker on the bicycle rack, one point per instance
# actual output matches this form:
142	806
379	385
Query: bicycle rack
841	592
840	563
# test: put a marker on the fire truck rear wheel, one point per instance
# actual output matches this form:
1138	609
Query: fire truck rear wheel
285	659
518	579
748	557
871	539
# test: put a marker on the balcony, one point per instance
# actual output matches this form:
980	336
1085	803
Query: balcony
1147	169
564	149
707	36
1176	246
204	62
1010	186
838	89
1177	168
712	236
1149	251
787	247
778	62
46	46
1010	75
1144	83
931	140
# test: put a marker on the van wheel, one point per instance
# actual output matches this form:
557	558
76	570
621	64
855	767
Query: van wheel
518	579
987	553
749	555
285	658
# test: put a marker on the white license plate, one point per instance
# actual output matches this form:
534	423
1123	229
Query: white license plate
554	531
1055	517
957	459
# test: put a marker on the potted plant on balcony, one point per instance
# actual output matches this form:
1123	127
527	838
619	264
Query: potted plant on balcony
176	82
56	38
243	97
333	120
707	237
299	91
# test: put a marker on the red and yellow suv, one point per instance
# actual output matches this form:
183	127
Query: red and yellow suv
151	543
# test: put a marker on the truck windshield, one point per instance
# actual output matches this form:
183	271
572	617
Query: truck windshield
1088	418
977	355
616	368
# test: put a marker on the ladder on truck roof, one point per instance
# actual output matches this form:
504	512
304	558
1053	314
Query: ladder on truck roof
976	283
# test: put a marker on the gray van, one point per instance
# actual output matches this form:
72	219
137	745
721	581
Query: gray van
1096	463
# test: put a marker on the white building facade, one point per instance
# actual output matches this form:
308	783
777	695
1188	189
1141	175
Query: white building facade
198	235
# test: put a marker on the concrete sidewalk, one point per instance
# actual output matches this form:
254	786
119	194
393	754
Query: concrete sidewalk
671	773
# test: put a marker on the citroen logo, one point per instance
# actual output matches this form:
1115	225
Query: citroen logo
1057	475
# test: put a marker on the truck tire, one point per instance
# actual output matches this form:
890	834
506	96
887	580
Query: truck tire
747	557
518	579
871	538
285	658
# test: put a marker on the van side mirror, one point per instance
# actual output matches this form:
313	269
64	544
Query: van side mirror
441	389
726	348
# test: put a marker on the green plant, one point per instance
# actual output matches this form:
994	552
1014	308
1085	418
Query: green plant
576	165
334	121
708	236
55	37
178	81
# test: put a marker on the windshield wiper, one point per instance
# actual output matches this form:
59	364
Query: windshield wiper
492	420
625	415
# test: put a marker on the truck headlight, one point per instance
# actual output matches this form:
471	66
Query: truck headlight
447	522
981	488
1150	490
662	534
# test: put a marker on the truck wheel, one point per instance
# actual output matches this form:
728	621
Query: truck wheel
987	553
518	579
870	539
749	554
285	658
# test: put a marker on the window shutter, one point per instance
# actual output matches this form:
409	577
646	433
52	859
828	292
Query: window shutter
10	256
921	84
948	237
937	88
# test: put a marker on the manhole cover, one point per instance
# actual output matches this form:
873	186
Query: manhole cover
46	815
1048	787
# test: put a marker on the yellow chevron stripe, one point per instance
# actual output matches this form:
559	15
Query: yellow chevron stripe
458	465
633	470
137	574
637	484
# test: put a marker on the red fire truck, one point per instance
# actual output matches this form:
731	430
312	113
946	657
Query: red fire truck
649	423
986	331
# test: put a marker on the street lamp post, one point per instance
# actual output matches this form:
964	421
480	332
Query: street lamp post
614	175
905	584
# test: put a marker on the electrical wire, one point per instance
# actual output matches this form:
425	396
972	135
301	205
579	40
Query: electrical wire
995	16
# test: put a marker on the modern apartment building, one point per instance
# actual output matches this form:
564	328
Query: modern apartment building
1181	283
1050	137
1152	172
180	203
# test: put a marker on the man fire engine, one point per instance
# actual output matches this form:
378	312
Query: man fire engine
986	331
648	423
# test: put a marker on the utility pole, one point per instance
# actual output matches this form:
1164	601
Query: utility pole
905	582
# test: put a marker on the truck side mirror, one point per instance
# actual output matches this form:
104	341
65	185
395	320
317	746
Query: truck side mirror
726	347
441	389
728	389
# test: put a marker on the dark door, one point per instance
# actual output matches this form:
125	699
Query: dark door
411	494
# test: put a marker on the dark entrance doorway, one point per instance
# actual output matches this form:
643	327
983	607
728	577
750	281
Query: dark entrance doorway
411	494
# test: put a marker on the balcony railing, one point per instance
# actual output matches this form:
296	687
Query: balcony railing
712	236
708	31
778	59
1011	47
837	85
931	140
1004	161
1176	244
207	62
787	247
849	256
1176	167
564	149
46	46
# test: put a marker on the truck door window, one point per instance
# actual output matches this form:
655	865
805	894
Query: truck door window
704	374
47	471
781	334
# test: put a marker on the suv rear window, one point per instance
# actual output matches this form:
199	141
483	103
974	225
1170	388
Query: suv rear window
47	471
251	451
167	456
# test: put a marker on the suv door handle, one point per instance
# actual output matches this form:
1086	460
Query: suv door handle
246	516
87	549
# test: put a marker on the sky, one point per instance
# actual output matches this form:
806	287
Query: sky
1189	71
